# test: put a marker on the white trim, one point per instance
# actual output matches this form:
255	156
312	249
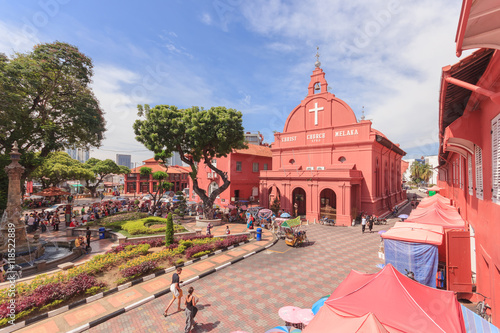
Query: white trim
495	159
478	154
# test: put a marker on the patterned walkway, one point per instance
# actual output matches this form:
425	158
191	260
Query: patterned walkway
247	295
244	296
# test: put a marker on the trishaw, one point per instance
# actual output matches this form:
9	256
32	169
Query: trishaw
293	235
264	218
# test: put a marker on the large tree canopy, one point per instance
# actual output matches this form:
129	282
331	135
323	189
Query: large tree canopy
46	104
46	101
59	167
198	135
101	169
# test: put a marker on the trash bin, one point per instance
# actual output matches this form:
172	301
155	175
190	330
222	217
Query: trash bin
102	232
259	234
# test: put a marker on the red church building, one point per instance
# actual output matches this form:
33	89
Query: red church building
328	163
469	154
243	167
135	183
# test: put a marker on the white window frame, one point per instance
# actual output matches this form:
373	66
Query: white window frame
469	172
495	159
460	175
478	156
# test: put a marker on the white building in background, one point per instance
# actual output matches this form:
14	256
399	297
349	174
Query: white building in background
79	154
431	160
124	160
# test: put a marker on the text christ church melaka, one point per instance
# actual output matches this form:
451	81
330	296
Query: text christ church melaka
329	164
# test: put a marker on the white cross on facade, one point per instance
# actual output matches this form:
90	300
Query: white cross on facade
315	110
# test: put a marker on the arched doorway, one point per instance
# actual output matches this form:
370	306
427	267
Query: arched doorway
273	193
328	203
299	198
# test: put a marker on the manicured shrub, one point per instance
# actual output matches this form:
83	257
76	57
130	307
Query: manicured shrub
169	232
140	269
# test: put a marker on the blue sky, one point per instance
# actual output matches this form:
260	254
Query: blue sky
255	56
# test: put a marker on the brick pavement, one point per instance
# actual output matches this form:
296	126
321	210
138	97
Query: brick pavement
247	295
244	296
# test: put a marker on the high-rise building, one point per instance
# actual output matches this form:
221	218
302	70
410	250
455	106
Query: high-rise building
125	160
79	154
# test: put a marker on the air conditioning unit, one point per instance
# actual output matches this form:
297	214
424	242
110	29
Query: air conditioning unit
320	168
310	168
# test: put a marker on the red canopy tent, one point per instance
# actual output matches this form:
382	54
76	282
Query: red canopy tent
52	192
400	303
447	218
328	320
435	197
415	232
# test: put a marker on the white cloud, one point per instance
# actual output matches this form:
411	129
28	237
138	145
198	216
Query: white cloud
15	39
385	55
206	18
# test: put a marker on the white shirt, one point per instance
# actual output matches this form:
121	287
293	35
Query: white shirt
363	221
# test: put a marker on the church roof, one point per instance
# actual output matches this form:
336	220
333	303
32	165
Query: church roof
256	150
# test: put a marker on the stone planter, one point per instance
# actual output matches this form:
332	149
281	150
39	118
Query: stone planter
202	223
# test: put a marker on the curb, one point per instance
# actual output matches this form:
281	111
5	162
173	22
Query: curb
95	297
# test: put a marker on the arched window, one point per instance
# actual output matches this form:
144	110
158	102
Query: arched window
212	187
377	178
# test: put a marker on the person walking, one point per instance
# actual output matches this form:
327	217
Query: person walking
370	224
363	223
88	235
191	310
176	291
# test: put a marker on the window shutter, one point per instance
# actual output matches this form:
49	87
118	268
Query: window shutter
479	172
495	159
471	182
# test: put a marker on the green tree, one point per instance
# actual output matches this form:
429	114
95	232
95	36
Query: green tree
46	104
198	136
169	231
420	172
163	184
59	167
101	169
182	203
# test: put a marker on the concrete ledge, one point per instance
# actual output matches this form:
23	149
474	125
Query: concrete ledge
204	222
66	266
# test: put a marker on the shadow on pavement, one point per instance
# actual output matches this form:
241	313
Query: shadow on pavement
205	327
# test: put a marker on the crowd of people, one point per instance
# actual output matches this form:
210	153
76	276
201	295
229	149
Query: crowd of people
42	220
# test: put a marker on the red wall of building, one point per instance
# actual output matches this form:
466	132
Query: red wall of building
482	214
243	181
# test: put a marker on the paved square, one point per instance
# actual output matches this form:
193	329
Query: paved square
247	295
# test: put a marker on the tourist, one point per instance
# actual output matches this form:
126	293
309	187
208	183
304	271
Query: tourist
209	227
295	209
85	218
56	222
176	291
31	223
227	230
370	224
363	223
73	222
88	235
191	310
79	243
83	209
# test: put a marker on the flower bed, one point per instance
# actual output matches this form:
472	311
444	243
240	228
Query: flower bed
130	261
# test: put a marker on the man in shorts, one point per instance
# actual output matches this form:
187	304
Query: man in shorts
176	291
